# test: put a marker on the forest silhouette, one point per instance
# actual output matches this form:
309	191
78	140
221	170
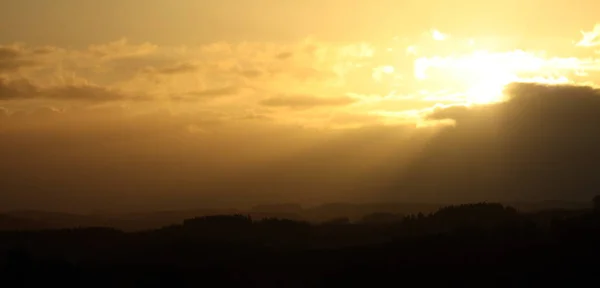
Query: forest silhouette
469	244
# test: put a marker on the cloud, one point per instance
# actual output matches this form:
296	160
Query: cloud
438	36
12	58
284	55
305	101
590	38
121	71
541	144
174	69
206	94
255	116
23	89
251	73
456	113
87	93
215	92
17	89
7	53
122	49
43	50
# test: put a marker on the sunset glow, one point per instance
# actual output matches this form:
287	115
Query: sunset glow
484	74
136	97
311	83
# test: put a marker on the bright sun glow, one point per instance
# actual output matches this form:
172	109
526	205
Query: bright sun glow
438	36
448	70
482	75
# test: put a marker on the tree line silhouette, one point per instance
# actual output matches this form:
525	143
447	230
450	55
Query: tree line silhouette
470	244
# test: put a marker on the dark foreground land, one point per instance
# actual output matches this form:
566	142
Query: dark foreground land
483	245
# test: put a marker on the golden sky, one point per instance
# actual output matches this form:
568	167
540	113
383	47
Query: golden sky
311	63
192	22
187	72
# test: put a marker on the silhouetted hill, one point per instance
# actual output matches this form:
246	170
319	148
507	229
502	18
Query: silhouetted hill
316	214
356	211
8	222
469	244
549	205
278	208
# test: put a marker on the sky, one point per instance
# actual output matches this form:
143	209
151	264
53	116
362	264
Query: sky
151	104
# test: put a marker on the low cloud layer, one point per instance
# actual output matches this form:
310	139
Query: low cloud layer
19	90
542	144
305	101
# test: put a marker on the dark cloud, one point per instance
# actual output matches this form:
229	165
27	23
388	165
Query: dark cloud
175	69
251	73
13	58
17	89
214	92
44	50
87	93
541	144
305	101
284	55
125	67
454	113
23	89
255	116
8	53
